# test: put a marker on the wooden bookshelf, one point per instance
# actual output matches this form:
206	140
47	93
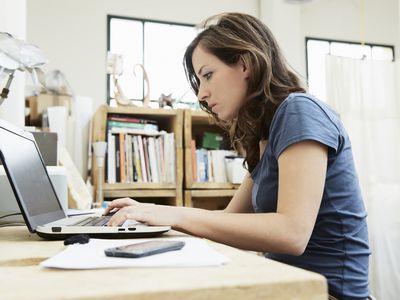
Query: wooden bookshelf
168	120
195	123
209	199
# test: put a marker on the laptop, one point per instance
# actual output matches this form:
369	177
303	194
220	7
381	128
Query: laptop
38	202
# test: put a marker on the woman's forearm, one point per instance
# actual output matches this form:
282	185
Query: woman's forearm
266	232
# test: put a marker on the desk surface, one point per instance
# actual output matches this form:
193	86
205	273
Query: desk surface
246	276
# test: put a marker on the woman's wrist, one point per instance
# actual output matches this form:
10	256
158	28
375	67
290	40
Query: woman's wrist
182	216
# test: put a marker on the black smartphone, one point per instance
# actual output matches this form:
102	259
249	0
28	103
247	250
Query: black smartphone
144	248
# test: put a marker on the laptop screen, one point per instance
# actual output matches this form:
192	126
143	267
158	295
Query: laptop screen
28	177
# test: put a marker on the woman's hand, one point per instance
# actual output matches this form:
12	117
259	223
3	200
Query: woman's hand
147	213
118	203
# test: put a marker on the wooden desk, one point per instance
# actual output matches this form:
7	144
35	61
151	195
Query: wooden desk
246	276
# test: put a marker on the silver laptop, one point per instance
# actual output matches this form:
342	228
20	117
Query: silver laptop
38	201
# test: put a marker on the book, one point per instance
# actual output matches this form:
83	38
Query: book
117	159
218	165
146	159
142	159
194	160
130	119
160	141
153	160
134	131
202	164
136	158
142	126
210	170
128	159
111	159
171	156
122	156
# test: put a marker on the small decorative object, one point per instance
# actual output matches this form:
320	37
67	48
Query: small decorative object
115	69
166	101
146	98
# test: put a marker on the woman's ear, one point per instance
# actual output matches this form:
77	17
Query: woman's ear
244	67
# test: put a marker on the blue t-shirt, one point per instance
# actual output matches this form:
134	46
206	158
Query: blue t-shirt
338	247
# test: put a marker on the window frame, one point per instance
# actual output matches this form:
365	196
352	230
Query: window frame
330	41
143	21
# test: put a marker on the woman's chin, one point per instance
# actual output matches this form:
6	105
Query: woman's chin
225	117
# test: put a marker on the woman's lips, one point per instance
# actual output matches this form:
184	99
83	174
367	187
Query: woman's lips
211	106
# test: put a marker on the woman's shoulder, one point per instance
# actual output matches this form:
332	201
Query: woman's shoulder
306	98
300	103
302	116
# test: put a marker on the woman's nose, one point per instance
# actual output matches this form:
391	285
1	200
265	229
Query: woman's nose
203	94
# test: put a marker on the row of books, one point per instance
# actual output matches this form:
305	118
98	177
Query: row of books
141	158
117	123
210	165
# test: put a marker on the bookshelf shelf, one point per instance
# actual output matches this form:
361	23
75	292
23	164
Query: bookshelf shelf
212	195
167	120
139	185
186	125
208	199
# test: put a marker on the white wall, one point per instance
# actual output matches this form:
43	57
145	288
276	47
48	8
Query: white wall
353	20
72	33
285	22
13	21
349	20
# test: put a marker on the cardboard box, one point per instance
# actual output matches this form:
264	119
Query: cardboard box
37	104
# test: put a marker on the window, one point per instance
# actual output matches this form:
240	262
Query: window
159	47
317	49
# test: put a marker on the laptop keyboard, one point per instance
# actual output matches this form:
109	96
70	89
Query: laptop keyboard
93	221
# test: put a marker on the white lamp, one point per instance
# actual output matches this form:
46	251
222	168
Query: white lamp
18	55
99	149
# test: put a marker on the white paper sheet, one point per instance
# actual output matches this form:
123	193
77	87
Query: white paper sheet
195	253
58	123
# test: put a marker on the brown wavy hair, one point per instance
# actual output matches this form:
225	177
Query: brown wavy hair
234	36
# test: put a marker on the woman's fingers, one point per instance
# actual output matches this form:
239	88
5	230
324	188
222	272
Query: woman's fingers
118	203
120	216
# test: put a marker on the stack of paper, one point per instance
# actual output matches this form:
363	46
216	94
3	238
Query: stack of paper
195	253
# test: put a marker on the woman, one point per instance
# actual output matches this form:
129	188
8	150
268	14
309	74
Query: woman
300	203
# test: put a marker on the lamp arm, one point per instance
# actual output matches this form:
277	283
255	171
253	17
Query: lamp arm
6	89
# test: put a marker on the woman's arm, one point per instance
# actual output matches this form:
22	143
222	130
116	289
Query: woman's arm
241	201
302	172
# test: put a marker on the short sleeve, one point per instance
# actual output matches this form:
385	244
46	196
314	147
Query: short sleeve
300	118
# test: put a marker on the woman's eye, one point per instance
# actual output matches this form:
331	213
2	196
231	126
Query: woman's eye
207	76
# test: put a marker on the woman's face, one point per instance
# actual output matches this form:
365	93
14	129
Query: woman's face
222	86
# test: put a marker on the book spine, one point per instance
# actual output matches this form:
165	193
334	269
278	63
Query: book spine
210	171
201	155
122	157
142	159
117	159
117	124
194	160
153	160
133	131
146	159
162	158
172	156
128	159
137	158
111	159
127	118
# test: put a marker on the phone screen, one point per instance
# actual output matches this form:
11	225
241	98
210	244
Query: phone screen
144	248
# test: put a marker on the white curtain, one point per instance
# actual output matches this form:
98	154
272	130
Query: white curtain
366	95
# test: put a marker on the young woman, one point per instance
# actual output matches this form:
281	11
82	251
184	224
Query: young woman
300	202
